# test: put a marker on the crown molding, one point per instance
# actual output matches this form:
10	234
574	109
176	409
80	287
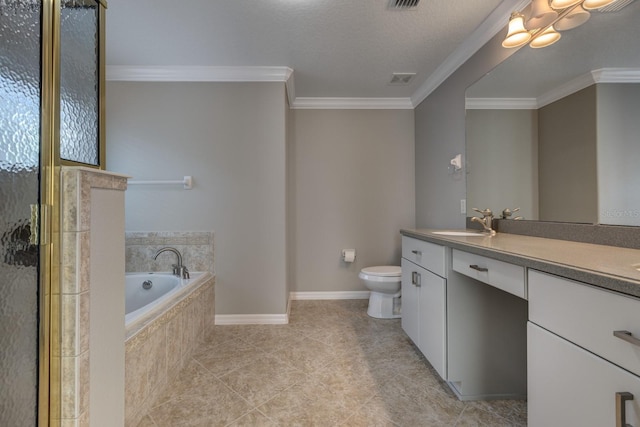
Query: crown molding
501	104
495	22
162	73
352	104
601	75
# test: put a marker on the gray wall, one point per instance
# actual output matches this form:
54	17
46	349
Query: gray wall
352	186
567	158
346	178
440	135
231	138
618	153
502	161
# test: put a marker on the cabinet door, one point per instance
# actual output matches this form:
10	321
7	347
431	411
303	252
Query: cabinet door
410	301
423	313
432	320
569	386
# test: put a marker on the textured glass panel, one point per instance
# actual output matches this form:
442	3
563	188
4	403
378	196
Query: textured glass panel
79	110
19	166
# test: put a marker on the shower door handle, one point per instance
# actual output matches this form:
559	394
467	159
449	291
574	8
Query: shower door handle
34	225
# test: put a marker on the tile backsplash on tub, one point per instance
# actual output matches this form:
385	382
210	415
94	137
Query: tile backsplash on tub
196	248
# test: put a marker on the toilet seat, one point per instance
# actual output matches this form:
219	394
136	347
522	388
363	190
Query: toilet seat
384	273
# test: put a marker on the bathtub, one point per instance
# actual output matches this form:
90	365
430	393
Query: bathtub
164	326
143	305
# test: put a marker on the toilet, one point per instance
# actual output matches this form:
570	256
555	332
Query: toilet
384	284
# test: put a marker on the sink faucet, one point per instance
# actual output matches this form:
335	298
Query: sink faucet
178	269
485	221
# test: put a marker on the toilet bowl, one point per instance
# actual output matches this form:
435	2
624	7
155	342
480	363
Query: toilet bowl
384	284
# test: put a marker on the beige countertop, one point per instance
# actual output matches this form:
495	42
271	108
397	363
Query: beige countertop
607	267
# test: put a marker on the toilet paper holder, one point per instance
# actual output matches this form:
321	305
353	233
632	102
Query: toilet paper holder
348	255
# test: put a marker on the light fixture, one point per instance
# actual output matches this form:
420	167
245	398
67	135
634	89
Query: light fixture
546	38
563	4
573	19
545	18
541	15
596	4
517	35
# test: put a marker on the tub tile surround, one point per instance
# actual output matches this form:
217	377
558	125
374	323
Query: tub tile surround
159	349
77	184
196	247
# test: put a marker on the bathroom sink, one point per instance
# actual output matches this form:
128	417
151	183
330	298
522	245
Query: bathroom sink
459	233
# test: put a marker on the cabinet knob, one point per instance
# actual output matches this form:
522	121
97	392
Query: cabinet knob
478	268
621	413
419	253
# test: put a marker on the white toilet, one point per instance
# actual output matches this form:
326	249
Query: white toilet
384	284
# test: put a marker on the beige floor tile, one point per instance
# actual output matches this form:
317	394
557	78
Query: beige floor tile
263	379
147	422
306	354
253	419
331	366
309	403
197	398
227	356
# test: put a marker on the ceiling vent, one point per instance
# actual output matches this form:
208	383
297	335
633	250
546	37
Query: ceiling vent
406	4
615	6
400	79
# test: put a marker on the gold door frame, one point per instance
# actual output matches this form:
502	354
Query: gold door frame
49	382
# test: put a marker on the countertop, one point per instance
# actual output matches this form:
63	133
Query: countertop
607	267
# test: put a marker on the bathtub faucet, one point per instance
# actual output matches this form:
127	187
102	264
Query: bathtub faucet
178	269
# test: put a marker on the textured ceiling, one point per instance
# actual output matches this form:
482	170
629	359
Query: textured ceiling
336	48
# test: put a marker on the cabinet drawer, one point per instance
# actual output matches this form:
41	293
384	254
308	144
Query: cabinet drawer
587	316
425	254
502	275
569	386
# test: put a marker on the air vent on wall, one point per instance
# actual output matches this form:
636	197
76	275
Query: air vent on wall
404	4
615	6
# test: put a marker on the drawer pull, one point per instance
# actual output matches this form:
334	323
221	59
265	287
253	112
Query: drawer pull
419	253
415	278
477	268
621	413
627	336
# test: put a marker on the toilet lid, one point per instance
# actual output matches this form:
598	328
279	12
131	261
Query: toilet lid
383	271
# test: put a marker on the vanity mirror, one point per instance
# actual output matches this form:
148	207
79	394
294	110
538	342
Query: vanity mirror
556	131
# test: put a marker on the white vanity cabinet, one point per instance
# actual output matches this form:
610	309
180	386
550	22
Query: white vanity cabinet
424	299
581	373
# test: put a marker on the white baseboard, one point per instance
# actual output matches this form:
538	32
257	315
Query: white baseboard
283	319
252	319
328	295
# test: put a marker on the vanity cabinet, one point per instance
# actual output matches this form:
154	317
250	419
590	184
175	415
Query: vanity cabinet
581	372
424	299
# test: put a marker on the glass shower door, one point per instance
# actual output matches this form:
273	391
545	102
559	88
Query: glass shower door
20	118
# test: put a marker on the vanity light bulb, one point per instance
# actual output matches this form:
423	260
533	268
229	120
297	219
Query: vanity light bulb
596	4
517	35
541	15
573	19
547	38
563	4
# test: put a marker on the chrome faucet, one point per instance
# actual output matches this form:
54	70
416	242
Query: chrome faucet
178	269
506	214
486	220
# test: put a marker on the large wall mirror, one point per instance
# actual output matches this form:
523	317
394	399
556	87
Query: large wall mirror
556	131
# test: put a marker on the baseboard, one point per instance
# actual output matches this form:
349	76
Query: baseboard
328	295
252	319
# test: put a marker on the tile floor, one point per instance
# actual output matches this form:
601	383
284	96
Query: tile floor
332	365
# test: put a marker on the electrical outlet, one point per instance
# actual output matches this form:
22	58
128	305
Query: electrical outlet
463	206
